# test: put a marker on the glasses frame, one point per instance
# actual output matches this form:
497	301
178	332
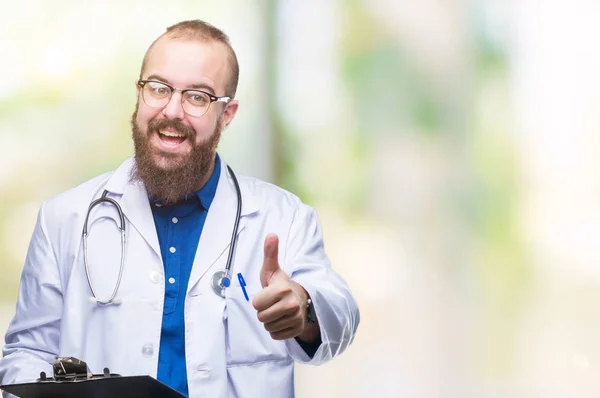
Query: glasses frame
213	98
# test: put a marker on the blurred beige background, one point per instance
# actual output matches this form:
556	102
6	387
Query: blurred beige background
450	148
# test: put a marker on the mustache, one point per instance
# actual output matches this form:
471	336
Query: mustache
161	124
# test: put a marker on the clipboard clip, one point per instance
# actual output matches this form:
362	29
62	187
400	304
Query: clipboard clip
68	369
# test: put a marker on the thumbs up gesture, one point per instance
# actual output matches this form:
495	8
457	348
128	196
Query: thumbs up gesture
282	304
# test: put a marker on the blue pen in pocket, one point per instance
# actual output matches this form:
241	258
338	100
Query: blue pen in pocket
243	285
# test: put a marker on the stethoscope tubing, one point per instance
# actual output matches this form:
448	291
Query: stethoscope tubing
221	279
104	199
235	225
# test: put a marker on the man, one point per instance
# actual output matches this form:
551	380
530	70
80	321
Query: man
168	312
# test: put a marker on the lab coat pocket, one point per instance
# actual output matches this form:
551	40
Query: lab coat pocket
247	340
236	290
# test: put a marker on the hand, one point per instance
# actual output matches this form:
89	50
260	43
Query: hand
281	305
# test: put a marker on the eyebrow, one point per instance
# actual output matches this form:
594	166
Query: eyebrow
199	86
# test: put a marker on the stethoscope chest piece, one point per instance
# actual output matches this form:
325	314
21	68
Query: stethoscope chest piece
220	282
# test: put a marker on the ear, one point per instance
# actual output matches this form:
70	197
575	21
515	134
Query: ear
229	112
137	88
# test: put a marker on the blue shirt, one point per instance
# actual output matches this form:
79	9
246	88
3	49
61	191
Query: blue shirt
179	227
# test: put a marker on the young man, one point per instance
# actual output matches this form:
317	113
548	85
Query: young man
171	310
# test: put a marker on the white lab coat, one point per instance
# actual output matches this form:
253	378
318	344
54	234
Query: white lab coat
229	353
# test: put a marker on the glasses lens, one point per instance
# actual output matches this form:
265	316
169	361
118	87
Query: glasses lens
156	94
196	103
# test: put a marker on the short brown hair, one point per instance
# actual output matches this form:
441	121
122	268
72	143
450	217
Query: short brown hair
200	30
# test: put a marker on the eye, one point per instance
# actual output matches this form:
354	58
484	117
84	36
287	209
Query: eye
158	89
197	98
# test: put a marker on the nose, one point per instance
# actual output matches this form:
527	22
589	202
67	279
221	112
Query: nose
174	109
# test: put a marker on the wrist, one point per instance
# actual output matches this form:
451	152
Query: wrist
311	333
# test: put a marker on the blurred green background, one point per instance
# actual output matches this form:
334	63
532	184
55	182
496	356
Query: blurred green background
450	148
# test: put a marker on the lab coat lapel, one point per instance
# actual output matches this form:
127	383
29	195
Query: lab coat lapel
134	203
136	208
218	227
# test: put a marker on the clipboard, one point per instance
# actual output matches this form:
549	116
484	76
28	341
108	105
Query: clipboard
110	387
66	384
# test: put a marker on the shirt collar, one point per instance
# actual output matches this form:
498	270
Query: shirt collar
206	194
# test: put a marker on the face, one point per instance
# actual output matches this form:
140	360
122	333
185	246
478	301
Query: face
175	151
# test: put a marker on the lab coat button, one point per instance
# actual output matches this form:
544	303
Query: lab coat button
147	350
154	277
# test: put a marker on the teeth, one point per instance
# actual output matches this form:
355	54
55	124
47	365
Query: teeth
170	134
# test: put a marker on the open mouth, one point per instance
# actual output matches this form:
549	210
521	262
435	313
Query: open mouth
171	139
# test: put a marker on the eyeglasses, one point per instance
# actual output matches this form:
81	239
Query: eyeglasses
194	102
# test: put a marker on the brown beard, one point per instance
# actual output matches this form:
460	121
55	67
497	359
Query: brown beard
182	177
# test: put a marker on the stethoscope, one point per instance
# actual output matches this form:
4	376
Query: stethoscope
220	279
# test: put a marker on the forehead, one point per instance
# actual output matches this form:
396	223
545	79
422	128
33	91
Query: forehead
184	63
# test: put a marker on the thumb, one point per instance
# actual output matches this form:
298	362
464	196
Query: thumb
271	262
